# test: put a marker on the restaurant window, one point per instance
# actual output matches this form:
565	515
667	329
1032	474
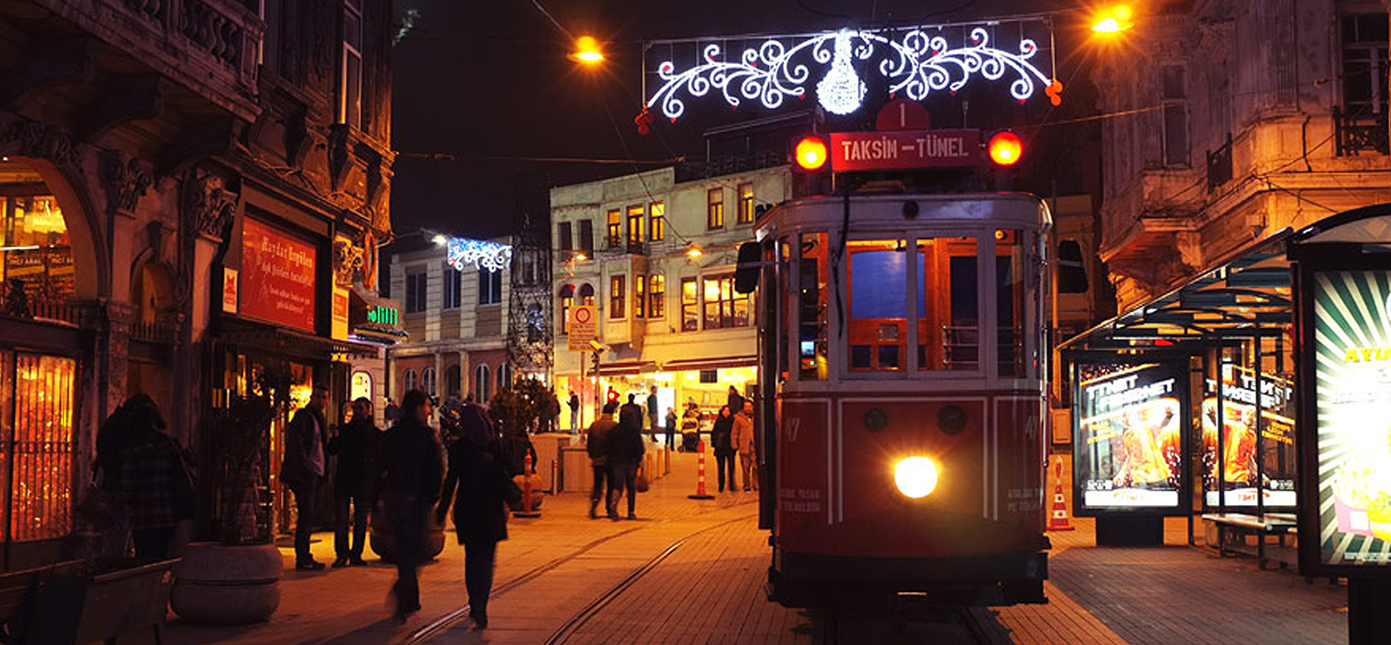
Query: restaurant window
415	292
567	300
36	263
617	295
690	305
427	380
948	304
482	386
658	215
723	307
587	294
614	238
1174	97
566	241
714	208
635	216
1364	64
1009	300
878	305
409	380
587	236
37	468
656	295
350	75
639	296
811	307
489	287
746	203
453	281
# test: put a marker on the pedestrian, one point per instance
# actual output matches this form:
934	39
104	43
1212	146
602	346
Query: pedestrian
356	446
574	412
653	412
480	511
744	445
722	440
391	413
106	478
631	413
624	449
156	486
303	470
736	401
598	459
409	475
671	428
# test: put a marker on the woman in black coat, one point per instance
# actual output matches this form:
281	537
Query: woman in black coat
722	440
476	469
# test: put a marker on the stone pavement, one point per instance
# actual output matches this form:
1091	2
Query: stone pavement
710	589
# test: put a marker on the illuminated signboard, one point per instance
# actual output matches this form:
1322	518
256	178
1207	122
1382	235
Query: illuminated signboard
383	316
1352	432
277	276
1128	437
1238	443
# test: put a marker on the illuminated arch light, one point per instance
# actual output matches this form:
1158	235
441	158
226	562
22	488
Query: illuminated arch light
916	65
493	256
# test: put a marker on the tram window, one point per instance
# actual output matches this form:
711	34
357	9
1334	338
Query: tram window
948	304
813	274
1009	300
878	303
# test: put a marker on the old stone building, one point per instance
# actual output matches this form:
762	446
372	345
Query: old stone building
189	191
1234	119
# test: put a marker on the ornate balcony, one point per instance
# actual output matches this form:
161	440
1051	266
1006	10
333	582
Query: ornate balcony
1359	132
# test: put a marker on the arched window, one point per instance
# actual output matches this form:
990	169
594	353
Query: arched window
504	375
427	380
409	381
482	384
586	294
567	299
451	381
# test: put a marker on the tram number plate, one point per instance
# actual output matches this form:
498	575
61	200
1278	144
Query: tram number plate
793	425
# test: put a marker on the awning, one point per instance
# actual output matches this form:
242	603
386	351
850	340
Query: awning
723	362
626	368
293	342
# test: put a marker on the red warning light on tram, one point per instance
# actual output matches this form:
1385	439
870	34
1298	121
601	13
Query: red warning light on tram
811	153
1005	148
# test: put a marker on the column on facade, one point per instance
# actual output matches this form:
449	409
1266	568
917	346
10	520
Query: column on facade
465	373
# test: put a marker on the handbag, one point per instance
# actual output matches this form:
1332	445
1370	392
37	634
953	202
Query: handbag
641	484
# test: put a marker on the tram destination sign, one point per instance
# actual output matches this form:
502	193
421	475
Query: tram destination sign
904	150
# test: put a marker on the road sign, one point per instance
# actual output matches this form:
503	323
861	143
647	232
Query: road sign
583	327
904	150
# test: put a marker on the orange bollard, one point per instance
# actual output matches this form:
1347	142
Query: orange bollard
527	509
700	474
1057	520
555	480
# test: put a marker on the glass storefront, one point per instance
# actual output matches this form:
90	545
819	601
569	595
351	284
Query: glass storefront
37	409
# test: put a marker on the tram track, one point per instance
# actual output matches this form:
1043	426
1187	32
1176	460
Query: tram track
441	625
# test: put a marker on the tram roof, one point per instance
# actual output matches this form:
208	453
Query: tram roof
881	211
1248	294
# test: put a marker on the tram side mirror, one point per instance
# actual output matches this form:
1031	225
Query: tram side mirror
1072	271
746	275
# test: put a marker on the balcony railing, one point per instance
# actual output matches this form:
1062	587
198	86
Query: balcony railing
158	332
1219	165
17	304
704	169
1360	131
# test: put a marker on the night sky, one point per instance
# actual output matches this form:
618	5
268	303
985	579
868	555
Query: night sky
481	79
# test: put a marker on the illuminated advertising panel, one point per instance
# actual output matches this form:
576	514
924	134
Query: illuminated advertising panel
1128	436
1238	446
277	276
1352	430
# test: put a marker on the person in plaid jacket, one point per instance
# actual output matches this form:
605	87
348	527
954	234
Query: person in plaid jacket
156	489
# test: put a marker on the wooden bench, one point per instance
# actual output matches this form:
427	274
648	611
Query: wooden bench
17	590
81	601
1240	525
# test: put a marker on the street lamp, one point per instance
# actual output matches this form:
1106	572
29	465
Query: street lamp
693	251
587	51
1115	19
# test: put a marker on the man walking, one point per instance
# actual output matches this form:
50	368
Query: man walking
631	413
652	412
411	471
598	459
356	447
303	470
744	444
625	449
574	404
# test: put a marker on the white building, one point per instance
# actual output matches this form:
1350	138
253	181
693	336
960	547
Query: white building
657	257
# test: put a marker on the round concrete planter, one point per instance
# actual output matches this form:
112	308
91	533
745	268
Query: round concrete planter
384	543
217	584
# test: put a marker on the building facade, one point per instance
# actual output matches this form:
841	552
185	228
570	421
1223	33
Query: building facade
655	254
1236	119
455	293
190	191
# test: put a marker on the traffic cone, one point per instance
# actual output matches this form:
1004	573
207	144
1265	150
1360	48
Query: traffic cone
1057	519
700	474
527	509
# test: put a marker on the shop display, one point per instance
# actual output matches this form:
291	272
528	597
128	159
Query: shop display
1239	471
1128	439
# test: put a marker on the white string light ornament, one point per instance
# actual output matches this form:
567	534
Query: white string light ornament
492	256
916	65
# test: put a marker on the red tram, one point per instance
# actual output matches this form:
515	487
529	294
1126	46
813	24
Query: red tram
906	359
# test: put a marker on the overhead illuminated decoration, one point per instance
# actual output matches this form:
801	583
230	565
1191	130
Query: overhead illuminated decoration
493	256
914	63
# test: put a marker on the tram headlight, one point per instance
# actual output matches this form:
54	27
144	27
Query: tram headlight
916	477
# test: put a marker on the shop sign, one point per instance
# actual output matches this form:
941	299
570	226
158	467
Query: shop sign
229	290
383	315
1352	430
1128	436
583	327
342	281
1238	454
904	150
277	276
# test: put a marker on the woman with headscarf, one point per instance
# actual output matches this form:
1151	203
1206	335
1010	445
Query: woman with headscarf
476	469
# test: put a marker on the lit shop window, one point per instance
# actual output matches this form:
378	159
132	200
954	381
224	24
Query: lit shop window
37	468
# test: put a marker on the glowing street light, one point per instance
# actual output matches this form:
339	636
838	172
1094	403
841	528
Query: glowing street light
587	51
440	240
694	252
1113	20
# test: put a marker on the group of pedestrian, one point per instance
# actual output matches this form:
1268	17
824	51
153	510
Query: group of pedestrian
732	436
616	450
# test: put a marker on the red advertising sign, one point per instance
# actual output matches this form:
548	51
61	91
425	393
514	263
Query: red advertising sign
277	276
904	150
